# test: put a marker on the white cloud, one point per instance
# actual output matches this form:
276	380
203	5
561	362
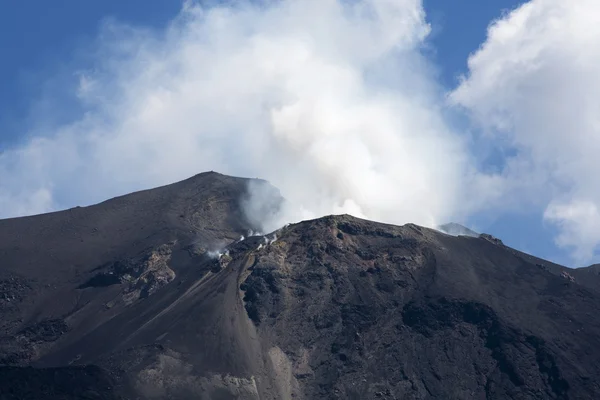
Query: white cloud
534	85
331	101
579	221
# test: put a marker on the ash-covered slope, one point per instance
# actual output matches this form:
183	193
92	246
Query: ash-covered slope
47	261
65	275
335	308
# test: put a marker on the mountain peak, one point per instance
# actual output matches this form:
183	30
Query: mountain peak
455	229
160	294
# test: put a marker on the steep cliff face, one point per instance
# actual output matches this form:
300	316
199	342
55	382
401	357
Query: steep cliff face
364	310
336	307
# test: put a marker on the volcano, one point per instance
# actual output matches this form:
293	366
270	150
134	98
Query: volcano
163	294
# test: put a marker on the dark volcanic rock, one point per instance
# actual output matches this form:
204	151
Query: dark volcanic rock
141	276
424	315
69	383
45	331
154	296
12	290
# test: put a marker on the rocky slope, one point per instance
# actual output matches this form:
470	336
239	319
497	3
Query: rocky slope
123	300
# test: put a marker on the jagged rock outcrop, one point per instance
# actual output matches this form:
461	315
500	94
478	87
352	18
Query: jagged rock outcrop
140	277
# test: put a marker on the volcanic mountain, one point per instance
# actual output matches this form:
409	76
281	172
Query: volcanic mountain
162	294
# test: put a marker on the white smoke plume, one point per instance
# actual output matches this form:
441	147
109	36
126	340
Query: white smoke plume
334	103
455	229
269	240
217	254
331	101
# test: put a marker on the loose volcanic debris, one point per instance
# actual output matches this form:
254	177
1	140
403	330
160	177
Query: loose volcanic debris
140	277
12	291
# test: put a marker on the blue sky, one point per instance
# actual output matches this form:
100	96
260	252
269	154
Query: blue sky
41	38
50	33
53	49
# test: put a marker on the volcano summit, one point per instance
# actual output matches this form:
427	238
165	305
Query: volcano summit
163	294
